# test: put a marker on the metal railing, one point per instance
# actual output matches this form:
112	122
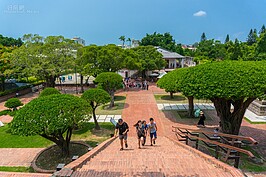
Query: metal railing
223	144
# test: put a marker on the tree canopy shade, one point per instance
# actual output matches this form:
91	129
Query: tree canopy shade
49	91
110	82
9	41
45	58
96	97
165	41
227	83
52	117
172	82
149	58
13	103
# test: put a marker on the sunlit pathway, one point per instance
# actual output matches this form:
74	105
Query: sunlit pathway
165	158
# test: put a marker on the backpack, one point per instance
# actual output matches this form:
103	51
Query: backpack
197	113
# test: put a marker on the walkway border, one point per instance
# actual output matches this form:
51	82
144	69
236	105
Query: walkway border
234	171
73	166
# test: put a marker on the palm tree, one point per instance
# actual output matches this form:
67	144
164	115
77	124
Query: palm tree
129	41
123	39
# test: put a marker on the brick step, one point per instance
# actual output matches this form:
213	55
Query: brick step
140	172
164	159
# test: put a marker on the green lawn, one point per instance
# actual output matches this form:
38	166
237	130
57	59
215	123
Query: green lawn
254	122
117	110
16	169
87	133
7	140
178	98
92	136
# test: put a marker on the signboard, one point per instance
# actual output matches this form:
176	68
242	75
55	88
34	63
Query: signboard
113	121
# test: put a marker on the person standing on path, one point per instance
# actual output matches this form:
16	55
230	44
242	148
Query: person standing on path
152	130
122	128
202	119
140	130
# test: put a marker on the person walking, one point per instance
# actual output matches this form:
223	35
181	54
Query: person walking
140	130
201	119
122	128
147	85
144	123
152	127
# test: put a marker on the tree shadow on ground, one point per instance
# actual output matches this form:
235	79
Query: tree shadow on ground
120	98
259	135
176	98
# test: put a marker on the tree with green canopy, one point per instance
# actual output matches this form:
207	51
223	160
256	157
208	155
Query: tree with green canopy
129	41
203	37
49	91
227	83
123	39
87	63
165	41
5	66
13	103
149	58
262	30
252	37
45	58
227	39
110	82
52	117
9	41
96	97
171	82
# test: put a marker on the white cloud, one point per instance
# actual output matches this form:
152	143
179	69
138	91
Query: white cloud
200	14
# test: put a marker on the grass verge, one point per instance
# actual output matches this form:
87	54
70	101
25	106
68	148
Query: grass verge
86	133
178	98
116	110
16	169
253	122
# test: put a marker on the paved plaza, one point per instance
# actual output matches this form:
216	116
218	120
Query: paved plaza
207	106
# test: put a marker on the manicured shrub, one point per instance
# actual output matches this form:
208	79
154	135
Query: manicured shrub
13	103
49	91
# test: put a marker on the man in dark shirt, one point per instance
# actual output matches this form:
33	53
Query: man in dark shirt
122	128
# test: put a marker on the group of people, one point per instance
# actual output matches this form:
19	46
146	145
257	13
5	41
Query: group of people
131	83
143	129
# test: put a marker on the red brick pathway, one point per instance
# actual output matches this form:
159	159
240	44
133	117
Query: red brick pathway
18	156
163	159
166	158
11	174
141	105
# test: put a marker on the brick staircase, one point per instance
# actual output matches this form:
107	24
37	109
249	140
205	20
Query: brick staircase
14	174
166	158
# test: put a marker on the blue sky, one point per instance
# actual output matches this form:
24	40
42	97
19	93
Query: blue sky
104	21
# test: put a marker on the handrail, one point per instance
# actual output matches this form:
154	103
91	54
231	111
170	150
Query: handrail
220	134
224	145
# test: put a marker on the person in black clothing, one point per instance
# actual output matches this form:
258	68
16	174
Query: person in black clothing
202	119
140	130
122	128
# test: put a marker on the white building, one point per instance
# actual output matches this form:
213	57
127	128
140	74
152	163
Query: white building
79	40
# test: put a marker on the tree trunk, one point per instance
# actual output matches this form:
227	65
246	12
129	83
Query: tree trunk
50	81
172	95
81	83
143	73
112	102
231	119
62	143
97	126
3	83
190	106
